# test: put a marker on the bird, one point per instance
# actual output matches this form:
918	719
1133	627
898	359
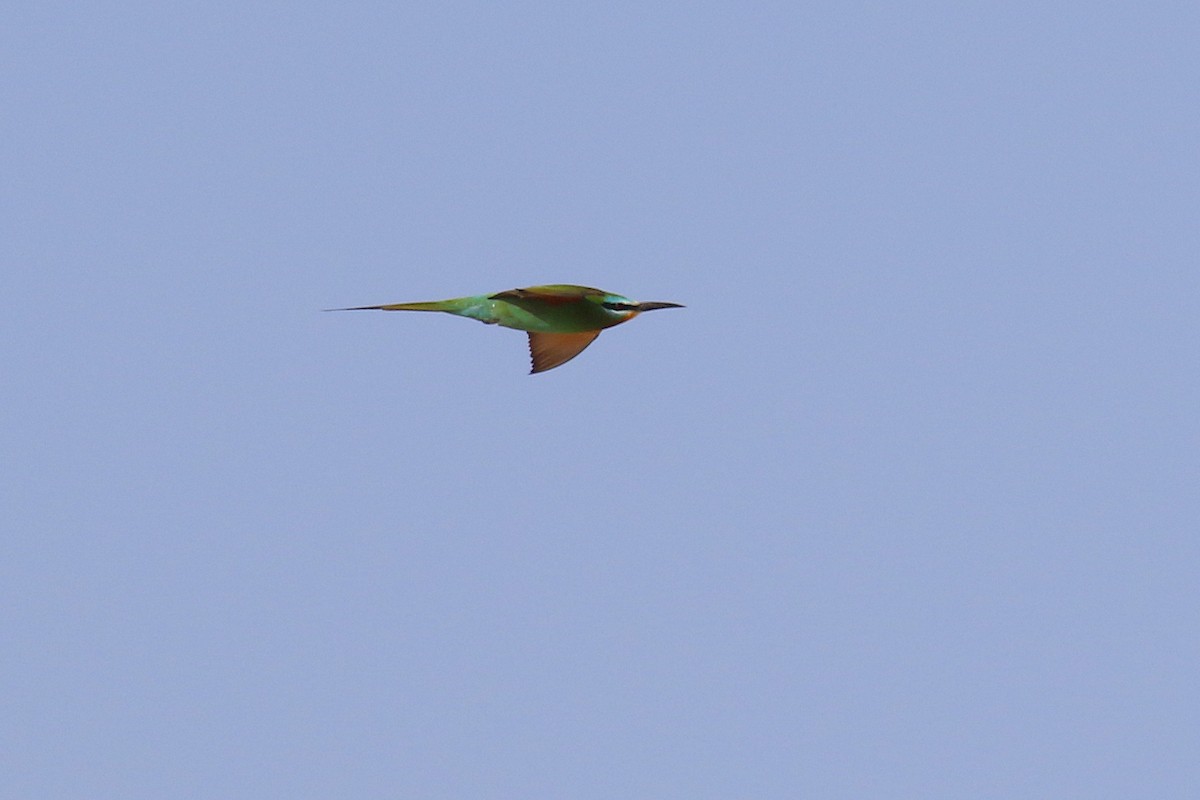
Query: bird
561	319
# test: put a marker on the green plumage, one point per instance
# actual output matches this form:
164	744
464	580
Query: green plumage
561	319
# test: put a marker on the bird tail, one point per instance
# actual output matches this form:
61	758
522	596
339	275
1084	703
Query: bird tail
435	305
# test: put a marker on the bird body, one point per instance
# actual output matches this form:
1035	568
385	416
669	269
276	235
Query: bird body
561	319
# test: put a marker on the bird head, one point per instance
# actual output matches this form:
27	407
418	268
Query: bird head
624	308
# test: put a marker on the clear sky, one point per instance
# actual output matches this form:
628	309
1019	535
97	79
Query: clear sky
904	504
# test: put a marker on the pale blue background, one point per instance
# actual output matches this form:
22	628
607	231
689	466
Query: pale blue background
903	505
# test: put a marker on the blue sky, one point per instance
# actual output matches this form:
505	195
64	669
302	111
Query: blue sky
904	504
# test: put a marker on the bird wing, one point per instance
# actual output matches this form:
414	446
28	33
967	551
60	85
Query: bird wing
557	293
549	350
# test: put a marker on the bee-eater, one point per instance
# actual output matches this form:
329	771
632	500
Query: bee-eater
561	320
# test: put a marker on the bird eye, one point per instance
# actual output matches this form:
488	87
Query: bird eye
618	306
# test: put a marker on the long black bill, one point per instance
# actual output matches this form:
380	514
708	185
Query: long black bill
652	305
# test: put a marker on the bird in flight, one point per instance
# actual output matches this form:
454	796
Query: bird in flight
561	319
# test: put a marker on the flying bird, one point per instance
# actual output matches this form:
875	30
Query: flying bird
561	319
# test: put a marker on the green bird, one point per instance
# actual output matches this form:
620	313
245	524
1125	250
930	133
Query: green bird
561	319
